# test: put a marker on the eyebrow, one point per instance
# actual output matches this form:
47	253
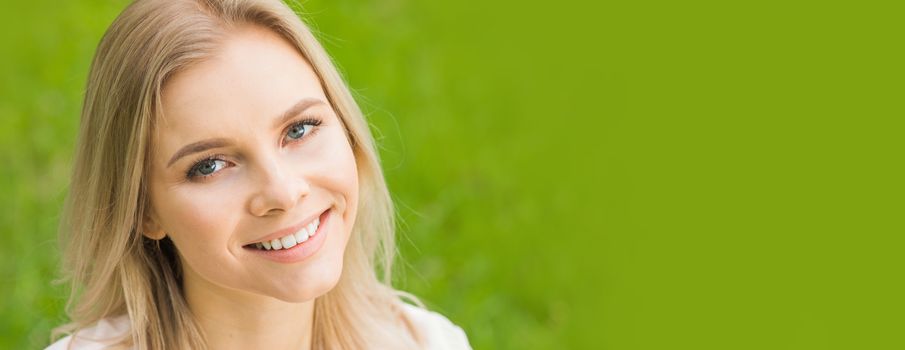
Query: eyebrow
204	145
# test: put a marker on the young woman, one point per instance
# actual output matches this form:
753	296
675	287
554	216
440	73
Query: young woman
227	194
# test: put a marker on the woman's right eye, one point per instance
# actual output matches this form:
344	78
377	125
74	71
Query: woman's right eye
206	168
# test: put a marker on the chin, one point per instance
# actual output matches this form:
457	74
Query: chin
309	287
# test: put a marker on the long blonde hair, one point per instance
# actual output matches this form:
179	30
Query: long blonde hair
114	270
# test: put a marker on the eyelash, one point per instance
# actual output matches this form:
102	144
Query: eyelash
190	173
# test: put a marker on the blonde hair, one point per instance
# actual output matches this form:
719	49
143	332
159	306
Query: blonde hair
115	270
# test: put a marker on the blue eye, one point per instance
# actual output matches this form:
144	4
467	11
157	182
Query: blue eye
301	128
206	167
298	130
209	165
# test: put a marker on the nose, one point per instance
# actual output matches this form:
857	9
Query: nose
278	189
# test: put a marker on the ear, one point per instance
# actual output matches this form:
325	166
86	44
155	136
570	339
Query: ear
151	229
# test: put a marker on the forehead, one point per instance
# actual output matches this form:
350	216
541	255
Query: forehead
255	76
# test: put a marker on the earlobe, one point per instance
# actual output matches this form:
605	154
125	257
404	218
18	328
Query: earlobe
155	235
150	229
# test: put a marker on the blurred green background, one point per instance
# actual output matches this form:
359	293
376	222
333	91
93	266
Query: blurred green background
570	174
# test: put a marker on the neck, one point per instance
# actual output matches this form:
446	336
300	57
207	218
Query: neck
237	320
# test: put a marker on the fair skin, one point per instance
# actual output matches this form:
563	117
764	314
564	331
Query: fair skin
266	175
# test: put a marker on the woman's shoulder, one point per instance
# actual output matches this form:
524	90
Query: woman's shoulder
439	332
104	334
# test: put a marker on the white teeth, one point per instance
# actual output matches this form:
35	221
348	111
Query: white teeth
301	236
292	240
288	241
312	227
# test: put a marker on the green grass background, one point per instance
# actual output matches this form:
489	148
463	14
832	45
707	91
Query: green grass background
571	174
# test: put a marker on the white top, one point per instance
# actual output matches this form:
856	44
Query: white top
439	332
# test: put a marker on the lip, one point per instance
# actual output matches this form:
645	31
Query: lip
300	251
289	230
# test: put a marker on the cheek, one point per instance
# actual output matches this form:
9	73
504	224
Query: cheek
331	165
193	223
345	173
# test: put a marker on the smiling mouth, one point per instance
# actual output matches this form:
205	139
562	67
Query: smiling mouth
290	240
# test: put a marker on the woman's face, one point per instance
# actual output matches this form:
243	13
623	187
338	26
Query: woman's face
249	155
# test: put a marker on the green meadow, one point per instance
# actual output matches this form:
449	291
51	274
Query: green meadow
568	175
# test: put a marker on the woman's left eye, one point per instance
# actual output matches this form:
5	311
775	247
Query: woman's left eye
300	129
